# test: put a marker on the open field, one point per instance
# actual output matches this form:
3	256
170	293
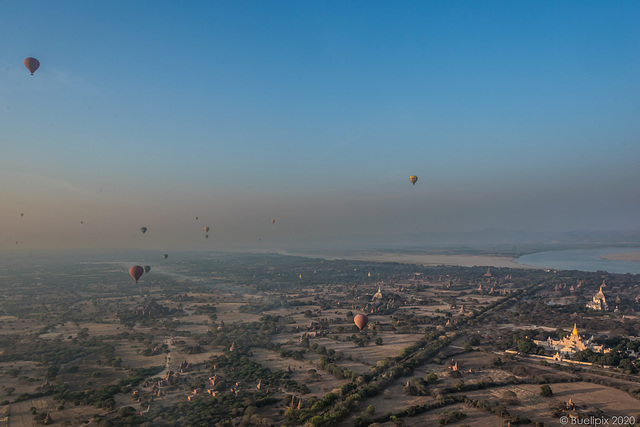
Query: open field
588	397
474	418
393	344
20	413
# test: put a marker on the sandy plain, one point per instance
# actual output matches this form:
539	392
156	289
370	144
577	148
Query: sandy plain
426	259
623	256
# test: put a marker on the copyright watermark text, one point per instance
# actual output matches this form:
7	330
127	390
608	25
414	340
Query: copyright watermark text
601	420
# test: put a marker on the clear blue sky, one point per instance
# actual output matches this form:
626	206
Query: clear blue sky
514	115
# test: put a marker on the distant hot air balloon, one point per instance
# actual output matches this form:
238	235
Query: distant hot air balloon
206	229
32	64
361	321
136	272
165	256
21	215
147	268
273	221
413	179
196	218
81	222
206	236
143	229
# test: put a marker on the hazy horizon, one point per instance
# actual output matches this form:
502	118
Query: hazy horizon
514	117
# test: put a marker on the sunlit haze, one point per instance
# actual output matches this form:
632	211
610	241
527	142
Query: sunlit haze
514	116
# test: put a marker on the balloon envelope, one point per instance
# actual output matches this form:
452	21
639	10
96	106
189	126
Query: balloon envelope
147	268
413	179
143	229
273	221
361	321
165	256
206	236
32	64
136	272
206	229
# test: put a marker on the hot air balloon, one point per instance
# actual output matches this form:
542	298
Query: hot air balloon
81	222
21	215
206	229
206	236
32	64
136	272
361	321
273	221
143	229
196	218
165	256
413	179
147	268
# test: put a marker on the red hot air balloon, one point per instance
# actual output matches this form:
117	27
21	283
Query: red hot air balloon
32	64
136	272
361	321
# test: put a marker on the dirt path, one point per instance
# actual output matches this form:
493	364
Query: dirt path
167	364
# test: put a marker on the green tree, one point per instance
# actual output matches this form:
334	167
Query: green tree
431	378
545	391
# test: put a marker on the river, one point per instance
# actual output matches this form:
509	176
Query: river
582	260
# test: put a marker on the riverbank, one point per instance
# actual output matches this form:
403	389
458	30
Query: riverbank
623	256
423	259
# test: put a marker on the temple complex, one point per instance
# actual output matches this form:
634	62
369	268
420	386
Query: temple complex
571	344
599	302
